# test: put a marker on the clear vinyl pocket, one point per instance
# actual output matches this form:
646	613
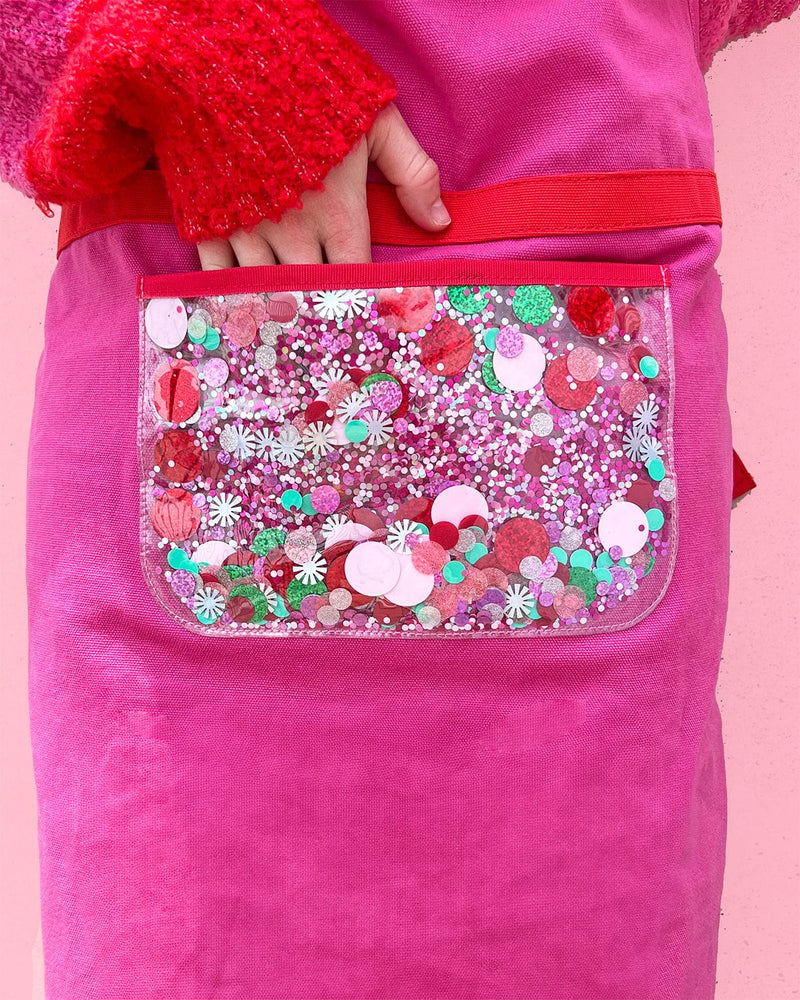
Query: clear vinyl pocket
440	448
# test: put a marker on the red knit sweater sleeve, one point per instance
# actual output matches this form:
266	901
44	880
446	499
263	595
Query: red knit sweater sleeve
245	103
723	21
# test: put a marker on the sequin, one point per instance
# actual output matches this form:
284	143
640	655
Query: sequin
468	299
447	348
523	371
590	310
166	322
533	304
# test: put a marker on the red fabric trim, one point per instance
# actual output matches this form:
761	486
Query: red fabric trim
453	271
548	205
558	204
743	481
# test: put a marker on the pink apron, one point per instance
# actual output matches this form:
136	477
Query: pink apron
319	818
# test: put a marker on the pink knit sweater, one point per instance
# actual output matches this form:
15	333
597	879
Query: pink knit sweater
33	50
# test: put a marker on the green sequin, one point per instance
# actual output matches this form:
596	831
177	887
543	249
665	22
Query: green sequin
655	518
307	506
453	571
490	338
211	339
533	304
582	558
585	579
356	431
291	500
234	572
281	611
560	554
648	366
255	596
464	298
267	540
377	377
489	377
178	559
655	469
296	591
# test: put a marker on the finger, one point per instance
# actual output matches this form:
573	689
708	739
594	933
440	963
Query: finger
404	163
347	236
215	254
251	249
294	245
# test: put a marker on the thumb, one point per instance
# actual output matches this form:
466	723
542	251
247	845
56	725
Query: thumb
406	165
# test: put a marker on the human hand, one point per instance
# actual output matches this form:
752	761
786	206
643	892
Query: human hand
333	225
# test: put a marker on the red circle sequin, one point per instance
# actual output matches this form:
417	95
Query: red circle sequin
406	310
336	579
386	613
175	516
474	521
417	509
635	356
536	459
447	348
240	328
519	537
630	395
279	572
558	385
445	534
640	493
176	390
319	412
282	307
628	320
590	310
180	448
429	558
371	520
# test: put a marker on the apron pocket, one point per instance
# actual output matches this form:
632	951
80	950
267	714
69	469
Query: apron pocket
442	448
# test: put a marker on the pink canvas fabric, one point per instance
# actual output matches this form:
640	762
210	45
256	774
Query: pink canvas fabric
315	820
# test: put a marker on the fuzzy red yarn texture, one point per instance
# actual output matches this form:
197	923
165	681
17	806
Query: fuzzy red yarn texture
245	105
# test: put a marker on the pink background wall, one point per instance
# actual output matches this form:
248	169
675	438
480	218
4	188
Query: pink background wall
754	90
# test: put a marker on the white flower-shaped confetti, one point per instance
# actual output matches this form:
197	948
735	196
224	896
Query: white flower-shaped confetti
333	373
238	441
269	594
351	406
209	603
288	449
397	536
519	601
379	427
333	523
224	509
263	441
645	416
650	449
312	570
319	438
632	443
340	303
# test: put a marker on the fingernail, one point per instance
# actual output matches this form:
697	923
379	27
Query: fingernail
439	214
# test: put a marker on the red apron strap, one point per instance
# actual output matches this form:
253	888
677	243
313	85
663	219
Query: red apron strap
547	205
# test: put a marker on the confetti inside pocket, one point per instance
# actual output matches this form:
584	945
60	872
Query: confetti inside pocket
422	449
